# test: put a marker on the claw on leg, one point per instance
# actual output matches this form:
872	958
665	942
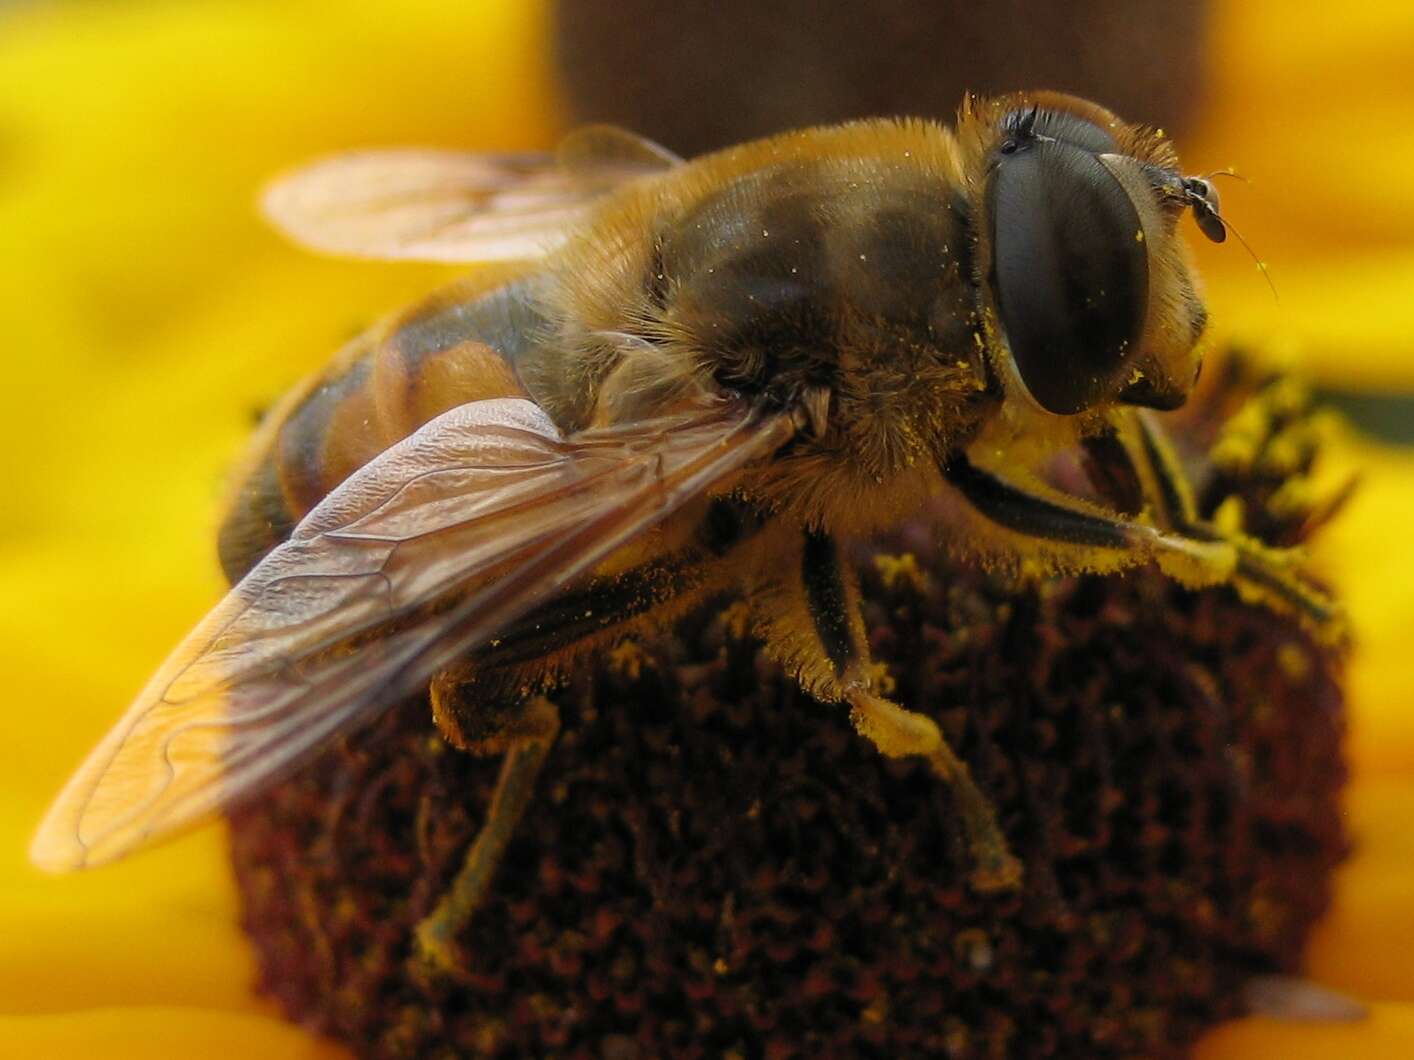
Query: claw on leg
897	732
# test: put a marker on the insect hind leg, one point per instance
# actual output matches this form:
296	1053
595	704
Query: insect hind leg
524	735
480	706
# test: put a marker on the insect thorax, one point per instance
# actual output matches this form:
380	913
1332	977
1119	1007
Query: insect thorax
853	275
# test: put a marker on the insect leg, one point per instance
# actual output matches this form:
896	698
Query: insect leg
1264	575
808	612
1058	533
1067	535
480	705
898	732
526	741
607	606
1165	484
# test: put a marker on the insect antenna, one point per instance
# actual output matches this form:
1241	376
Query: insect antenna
1261	265
1203	200
1226	172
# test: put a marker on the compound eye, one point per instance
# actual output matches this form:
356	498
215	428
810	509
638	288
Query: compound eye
1070	272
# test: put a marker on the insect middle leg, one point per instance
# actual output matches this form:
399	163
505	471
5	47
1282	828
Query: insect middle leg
808	613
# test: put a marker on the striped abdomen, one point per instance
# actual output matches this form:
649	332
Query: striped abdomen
461	345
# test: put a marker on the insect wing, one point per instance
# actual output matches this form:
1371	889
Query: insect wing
422	205
592	148
417	558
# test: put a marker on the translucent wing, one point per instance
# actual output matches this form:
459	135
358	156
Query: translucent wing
598	147
417	558
444	206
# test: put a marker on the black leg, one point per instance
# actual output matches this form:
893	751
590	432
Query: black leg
828	599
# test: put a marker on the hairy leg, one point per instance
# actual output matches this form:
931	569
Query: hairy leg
807	608
1057	533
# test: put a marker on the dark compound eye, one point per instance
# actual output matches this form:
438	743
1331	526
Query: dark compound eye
1070	267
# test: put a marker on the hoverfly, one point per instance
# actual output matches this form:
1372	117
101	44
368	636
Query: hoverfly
692	376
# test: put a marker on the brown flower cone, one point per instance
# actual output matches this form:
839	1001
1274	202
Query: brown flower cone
716	865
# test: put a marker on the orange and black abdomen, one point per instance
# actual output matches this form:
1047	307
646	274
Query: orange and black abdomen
461	345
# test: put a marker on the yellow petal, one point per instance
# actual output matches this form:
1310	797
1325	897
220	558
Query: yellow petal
1364	944
63	955
158	930
1387	1034
1302	105
149	317
159	1032
1348	314
1363	553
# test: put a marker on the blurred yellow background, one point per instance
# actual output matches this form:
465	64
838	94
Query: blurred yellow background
147	318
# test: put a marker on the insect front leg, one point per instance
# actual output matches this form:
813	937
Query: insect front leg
807	609
1270	577
1056	533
